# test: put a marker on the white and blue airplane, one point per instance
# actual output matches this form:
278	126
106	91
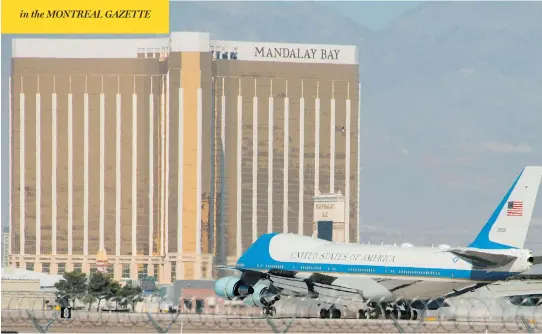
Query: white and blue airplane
336	275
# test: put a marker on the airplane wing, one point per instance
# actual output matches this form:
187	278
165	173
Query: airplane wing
345	290
482	258
506	289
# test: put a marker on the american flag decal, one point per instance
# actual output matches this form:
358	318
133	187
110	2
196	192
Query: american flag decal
515	208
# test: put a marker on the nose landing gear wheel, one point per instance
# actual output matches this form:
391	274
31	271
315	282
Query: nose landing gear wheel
335	313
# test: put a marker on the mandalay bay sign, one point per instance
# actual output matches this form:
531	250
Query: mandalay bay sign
283	52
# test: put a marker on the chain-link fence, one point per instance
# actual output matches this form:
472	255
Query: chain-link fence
501	315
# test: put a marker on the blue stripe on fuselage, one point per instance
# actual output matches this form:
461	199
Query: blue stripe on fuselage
257	257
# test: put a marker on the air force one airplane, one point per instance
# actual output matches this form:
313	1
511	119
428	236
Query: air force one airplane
337	275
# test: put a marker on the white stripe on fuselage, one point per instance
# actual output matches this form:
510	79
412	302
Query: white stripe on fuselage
301	253
300	249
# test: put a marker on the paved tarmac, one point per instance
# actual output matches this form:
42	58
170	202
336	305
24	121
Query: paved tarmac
248	321
94	322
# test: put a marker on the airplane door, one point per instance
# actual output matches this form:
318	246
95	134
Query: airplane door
325	230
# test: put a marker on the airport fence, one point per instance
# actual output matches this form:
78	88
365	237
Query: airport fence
463	315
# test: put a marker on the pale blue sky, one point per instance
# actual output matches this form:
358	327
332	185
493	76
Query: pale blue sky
372	14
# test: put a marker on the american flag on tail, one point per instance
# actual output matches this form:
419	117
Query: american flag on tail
515	208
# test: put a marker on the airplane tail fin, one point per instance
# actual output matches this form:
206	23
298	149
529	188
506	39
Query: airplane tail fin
508	225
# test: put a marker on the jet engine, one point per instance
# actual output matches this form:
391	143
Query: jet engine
261	297
231	287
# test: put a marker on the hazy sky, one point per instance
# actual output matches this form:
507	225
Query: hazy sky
371	14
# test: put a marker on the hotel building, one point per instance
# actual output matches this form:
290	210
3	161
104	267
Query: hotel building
164	156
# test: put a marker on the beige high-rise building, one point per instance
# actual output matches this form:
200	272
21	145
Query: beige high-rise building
164	152
291	128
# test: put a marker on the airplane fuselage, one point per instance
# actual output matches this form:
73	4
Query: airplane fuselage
293	265
298	253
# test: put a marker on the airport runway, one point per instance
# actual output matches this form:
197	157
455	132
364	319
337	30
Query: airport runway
94	322
248	321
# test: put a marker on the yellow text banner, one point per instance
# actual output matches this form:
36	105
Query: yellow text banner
85	17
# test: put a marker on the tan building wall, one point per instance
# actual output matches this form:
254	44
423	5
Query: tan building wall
95	146
25	295
81	89
277	91
140	147
17	285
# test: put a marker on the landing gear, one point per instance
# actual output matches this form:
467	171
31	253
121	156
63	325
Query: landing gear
324	313
395	314
367	314
397	311
371	311
388	310
332	312
269	311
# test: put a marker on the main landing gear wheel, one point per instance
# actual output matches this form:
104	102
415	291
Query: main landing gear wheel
398	312
332	313
269	311
367	314
324	313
